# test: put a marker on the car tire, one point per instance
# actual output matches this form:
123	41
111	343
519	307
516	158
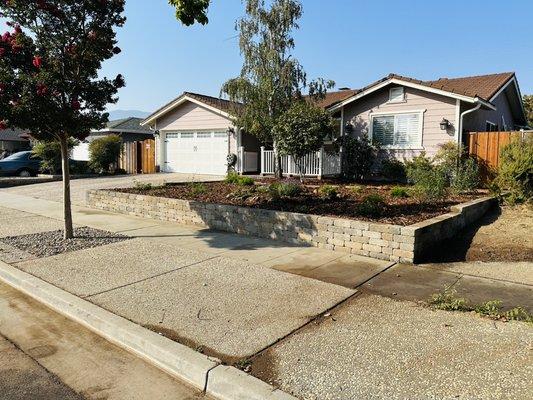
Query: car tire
24	173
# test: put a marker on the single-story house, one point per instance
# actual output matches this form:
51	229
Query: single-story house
14	140
139	145
196	133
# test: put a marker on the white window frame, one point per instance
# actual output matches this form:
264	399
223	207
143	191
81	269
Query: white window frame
401	100
416	146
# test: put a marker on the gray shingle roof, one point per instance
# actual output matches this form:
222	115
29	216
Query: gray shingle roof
127	124
12	135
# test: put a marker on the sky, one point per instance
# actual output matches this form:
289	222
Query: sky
353	42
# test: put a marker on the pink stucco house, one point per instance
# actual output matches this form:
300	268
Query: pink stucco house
195	133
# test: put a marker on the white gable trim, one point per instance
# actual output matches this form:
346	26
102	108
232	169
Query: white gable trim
412	85
179	101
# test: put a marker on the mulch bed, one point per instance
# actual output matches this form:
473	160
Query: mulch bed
45	244
401	211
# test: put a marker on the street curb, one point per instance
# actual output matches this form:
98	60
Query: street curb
203	372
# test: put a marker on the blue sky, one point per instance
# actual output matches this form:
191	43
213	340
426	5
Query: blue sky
353	42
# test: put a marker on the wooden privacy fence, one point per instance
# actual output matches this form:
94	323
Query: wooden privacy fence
486	146
138	157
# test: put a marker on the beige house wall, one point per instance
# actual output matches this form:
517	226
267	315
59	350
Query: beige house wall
435	107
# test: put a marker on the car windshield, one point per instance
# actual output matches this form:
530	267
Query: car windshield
22	155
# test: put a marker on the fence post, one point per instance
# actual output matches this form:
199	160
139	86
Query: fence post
262	160
320	162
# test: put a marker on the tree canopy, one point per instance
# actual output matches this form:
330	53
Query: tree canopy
528	108
190	11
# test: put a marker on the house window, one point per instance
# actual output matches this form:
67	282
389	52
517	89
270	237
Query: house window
396	95
398	131
203	135
491	127
187	135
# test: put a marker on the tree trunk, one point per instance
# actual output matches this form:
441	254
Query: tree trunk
67	211
278	169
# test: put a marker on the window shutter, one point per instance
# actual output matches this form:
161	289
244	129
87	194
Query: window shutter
407	130
383	130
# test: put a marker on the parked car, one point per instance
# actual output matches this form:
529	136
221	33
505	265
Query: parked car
23	163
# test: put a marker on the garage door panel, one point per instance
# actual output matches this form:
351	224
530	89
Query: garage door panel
197	153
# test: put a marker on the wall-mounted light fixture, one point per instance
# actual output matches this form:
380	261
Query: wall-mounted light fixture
348	128
445	124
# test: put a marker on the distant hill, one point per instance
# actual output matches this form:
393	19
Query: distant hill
120	114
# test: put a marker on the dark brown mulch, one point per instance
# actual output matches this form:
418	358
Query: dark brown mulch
45	244
401	211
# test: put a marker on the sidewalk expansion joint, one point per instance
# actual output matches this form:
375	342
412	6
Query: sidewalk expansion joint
149	277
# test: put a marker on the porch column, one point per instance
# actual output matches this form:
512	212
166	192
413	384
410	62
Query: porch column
320	162
262	160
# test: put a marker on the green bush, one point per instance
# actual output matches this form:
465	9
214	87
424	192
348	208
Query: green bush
236	179
356	189
104	152
278	190
197	188
393	170
418	167
50	154
466	178
327	192
359	154
430	181
399	191
142	186
80	167
371	206
515	172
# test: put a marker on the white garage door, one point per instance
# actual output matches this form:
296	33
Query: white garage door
197	152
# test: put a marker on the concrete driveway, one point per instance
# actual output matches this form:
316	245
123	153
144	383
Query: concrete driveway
54	190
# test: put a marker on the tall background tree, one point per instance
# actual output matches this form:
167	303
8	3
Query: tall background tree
190	11
528	108
49	65
271	79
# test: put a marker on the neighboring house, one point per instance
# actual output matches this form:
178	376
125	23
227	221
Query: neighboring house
406	116
14	140
139	146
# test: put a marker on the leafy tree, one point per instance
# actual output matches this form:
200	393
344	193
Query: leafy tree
191	11
271	79
358	156
49	66
104	152
528	108
301	130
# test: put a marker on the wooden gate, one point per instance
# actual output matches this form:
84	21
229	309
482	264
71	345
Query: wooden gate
486	146
138	157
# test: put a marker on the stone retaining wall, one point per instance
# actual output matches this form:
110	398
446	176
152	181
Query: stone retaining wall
383	241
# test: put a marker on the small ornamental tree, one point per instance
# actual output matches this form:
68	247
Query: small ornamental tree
49	65
301	130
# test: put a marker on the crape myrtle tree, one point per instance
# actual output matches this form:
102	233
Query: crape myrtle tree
302	130
271	79
49	63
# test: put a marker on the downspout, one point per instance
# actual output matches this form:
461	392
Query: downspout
460	135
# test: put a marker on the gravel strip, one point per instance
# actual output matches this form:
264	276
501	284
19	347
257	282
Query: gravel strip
50	243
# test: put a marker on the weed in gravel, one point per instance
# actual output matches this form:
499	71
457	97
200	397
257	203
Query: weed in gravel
447	300
491	308
519	314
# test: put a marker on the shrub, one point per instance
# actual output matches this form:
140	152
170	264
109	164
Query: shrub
104	152
490	308
417	167
142	186
79	167
328	192
461	171
466	178
356	189
399	191
372	205
515	172
50	154
197	188
430	181
236	179
278	189
358	156
393	169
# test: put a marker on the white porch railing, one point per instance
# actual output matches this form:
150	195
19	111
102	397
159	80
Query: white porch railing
315	164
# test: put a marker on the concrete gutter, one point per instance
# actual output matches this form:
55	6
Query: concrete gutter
203	372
